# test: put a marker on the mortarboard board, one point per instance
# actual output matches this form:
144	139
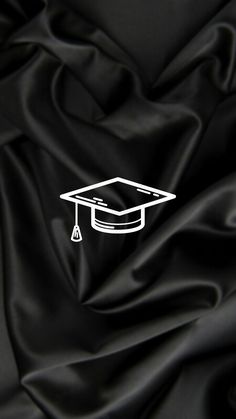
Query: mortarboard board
117	205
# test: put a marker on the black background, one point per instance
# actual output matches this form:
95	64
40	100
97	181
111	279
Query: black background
126	326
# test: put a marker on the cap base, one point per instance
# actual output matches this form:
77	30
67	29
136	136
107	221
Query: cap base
120	225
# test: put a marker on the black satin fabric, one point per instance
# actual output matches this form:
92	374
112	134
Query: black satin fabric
130	326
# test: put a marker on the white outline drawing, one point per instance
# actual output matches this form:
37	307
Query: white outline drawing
96	204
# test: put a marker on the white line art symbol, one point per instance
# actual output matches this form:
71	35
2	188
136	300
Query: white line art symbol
117	205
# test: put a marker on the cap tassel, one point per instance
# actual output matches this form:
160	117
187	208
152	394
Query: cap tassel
76	235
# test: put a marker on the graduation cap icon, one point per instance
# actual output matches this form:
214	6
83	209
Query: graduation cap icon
117	205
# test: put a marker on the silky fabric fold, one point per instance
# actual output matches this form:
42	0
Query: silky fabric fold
134	326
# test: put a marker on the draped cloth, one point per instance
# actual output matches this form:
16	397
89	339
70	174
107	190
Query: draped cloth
135	326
